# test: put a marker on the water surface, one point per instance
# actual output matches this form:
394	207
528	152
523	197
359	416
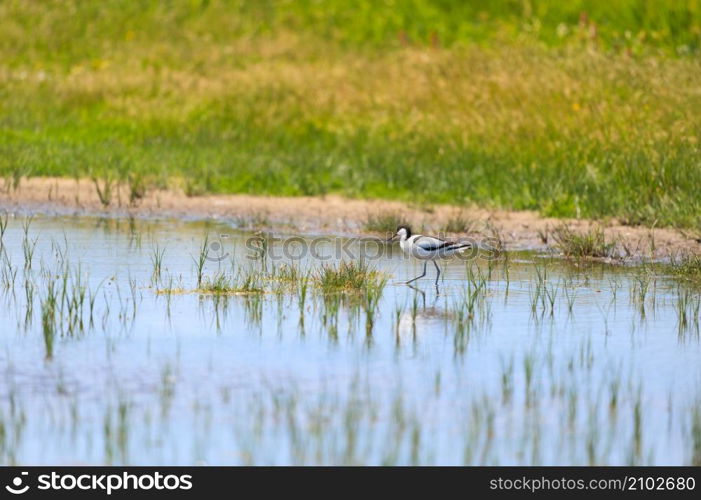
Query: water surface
528	360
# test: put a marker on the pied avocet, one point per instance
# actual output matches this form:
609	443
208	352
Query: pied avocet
426	248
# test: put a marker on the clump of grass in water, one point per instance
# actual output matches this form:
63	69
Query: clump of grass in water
248	282
570	295
495	241
157	260
591	243
371	301
688	305
302	288
686	267
398	312
538	294
219	284
288	278
28	247
641	287
287	273
3	228
476	289
8	274
347	276
48	319
29	289
384	222
201	260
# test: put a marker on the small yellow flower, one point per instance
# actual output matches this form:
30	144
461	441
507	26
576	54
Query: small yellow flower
576	106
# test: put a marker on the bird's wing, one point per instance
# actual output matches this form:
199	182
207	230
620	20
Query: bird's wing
431	244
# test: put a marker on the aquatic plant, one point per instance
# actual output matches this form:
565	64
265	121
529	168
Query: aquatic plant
157	254
347	276
371	300
686	266
590	243
245	281
201	260
48	318
3	228
688	308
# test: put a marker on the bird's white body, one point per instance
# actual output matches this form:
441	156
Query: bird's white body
427	248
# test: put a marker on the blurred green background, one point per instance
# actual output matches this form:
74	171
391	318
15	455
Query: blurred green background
584	108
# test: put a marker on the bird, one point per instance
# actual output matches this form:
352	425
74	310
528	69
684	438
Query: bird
426	248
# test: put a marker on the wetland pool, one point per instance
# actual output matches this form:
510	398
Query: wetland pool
112	353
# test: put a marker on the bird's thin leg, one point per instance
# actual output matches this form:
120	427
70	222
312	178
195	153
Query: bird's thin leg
438	271
424	274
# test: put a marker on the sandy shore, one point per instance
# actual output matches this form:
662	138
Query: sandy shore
332	214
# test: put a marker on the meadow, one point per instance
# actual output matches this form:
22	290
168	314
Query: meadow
576	109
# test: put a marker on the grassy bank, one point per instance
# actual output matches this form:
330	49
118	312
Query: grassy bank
590	109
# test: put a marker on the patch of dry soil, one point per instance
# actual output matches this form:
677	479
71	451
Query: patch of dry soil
333	214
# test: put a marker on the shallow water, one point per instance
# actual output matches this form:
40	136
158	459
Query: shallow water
545	362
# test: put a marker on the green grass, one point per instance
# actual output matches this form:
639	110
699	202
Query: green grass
66	25
519	105
686	267
345	276
243	283
348	276
590	243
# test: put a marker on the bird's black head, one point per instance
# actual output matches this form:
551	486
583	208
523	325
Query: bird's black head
405	228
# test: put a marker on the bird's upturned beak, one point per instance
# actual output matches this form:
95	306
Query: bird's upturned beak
391	239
